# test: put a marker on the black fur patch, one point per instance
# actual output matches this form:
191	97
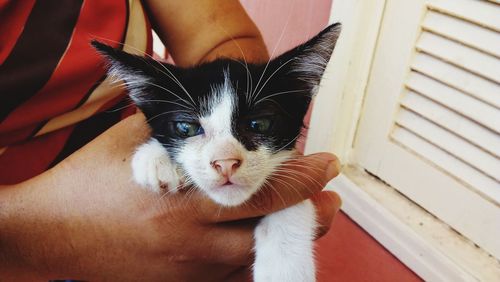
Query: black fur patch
280	90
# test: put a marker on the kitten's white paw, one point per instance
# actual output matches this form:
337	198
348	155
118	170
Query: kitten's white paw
152	168
284	245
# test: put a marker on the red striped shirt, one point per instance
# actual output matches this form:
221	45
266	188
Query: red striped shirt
54	93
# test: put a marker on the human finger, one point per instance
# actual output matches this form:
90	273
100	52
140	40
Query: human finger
240	275
229	243
327	205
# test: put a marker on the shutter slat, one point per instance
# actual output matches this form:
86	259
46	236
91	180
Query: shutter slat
460	55
464	32
430	121
464	173
450	143
474	109
458	78
464	127
479	12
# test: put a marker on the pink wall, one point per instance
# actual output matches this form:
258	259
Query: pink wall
305	19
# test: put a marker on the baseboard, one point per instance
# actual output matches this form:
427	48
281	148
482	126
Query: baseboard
404	243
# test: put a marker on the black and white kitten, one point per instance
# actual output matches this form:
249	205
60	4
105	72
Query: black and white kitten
225	127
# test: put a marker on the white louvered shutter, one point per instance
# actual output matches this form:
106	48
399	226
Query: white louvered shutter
431	120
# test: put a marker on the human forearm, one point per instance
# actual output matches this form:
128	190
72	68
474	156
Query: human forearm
250	49
24	232
9	258
195	31
46	221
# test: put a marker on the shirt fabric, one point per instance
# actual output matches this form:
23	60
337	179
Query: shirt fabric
54	93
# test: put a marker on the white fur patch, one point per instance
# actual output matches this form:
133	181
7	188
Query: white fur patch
152	168
222	106
284	245
134	81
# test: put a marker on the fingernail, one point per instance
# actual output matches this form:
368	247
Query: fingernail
333	169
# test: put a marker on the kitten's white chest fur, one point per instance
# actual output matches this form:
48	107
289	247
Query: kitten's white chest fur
283	240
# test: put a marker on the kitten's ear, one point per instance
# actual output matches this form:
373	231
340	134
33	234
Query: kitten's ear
135	71
308	60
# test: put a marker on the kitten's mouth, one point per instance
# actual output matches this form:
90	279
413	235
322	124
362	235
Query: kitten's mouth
228	184
230	192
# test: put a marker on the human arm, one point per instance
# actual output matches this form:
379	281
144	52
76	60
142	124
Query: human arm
85	219
202	30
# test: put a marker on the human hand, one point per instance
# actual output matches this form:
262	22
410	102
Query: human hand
86	219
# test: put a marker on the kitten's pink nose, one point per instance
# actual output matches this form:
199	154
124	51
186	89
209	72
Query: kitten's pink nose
226	167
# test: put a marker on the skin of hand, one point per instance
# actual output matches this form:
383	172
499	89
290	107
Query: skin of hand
98	225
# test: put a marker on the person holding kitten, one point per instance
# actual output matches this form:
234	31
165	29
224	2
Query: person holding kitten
68	208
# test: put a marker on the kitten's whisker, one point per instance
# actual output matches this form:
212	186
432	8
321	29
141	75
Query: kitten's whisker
187	103
163	88
296	179
219	212
291	166
165	113
284	183
171	76
269	78
176	80
120	43
248	80
270	185
189	195
167	193
114	110
295	161
190	110
286	145
299	174
237	84
275	47
279	93
248	74
249	203
318	173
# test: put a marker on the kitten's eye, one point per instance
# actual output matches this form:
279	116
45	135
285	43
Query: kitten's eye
260	125
187	129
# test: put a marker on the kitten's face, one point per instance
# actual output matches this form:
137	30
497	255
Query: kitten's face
226	124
